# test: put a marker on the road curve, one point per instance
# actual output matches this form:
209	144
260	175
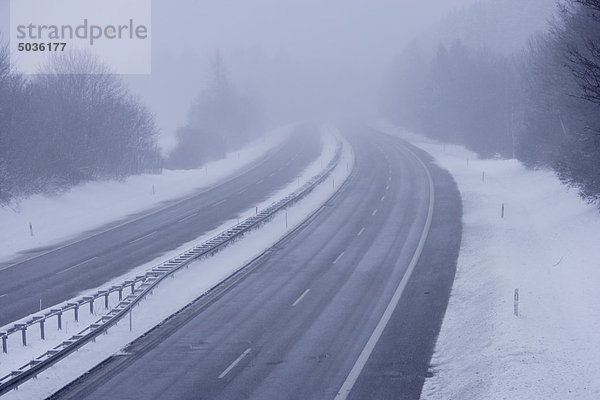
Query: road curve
294	323
58	274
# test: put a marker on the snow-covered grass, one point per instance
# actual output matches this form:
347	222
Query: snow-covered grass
88	206
546	246
188	284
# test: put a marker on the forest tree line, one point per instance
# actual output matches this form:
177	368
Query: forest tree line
540	106
73	123
77	122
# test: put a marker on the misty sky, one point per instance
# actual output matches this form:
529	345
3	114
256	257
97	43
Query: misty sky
321	58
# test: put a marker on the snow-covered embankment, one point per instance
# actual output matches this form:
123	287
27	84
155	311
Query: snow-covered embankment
547	247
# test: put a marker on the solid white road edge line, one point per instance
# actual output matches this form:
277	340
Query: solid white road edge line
297	301
233	364
387	314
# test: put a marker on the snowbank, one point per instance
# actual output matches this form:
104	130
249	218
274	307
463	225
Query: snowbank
91	205
546	246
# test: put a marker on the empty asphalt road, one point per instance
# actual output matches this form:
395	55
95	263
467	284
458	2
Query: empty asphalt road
348	306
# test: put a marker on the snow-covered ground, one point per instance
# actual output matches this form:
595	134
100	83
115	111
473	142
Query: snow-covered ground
546	246
91	205
188	284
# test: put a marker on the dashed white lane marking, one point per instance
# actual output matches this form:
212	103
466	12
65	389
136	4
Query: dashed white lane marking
219	202
2	295
236	362
143	237
382	198
360	232
387	187
301	297
348	384
243	190
259	182
374	212
76	265
188	217
338	257
389	179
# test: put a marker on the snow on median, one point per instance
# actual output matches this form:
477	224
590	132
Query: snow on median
546	246
173	294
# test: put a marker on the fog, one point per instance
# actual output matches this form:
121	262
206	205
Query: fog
489	75
305	59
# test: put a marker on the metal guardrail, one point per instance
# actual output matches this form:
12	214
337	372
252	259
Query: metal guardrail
145	284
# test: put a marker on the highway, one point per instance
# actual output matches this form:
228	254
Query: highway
63	271
342	308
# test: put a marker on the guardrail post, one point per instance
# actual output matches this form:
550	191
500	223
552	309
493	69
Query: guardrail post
105	293
42	332
4	342
91	300
118	289
59	317
23	328
75	310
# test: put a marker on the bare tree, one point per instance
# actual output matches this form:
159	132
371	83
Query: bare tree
580	35
73	122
